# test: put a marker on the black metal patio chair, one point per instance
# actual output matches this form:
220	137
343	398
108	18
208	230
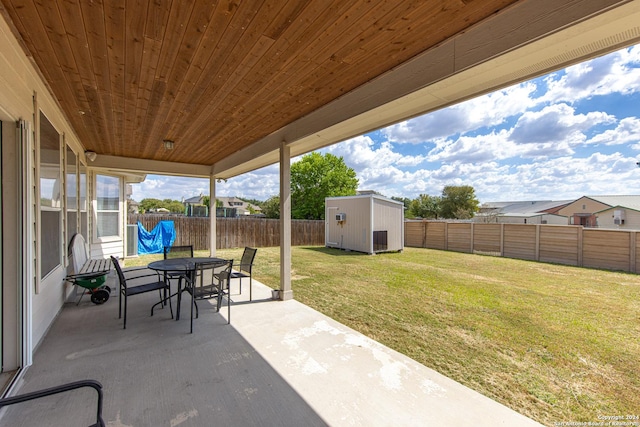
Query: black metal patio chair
243	270
210	280
141	280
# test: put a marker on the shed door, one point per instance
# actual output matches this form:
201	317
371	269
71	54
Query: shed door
332	228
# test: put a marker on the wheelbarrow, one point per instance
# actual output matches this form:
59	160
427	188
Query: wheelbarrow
94	285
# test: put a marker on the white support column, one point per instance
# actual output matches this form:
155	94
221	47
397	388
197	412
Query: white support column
286	292
212	215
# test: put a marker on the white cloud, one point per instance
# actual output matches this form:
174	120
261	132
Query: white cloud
627	132
613	73
169	187
478	149
359	153
485	111
556	123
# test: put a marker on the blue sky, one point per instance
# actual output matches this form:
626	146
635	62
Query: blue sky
571	133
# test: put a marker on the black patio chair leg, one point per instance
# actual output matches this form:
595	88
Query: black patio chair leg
125	313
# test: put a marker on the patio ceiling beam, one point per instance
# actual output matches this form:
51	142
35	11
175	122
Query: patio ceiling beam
127	164
527	40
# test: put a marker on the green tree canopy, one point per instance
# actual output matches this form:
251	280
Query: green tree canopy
150	204
315	177
271	207
175	206
458	202
425	206
146	205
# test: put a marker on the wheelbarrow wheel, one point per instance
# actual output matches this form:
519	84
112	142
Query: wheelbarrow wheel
99	296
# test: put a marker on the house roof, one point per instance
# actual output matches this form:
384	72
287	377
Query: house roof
528	214
237	203
530	207
194	200
230	82
631	202
533	207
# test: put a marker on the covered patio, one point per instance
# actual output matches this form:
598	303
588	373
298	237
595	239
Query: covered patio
95	95
278	363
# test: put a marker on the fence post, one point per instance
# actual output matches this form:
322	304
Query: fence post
471	242
502	239
537	250
580	245
632	251
425	224
446	236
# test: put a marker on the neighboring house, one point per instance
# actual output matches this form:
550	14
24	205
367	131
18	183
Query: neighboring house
587	210
532	218
527	212
194	206
232	206
226	207
624	215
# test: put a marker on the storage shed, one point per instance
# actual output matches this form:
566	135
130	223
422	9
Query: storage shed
367	223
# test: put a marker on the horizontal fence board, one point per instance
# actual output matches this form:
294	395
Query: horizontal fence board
415	234
436	235
486	238
559	244
606	249
519	241
235	232
459	237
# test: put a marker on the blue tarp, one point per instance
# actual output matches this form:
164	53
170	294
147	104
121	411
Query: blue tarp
154	241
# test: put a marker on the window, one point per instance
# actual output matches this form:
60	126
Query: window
72	194
82	203
50	198
107	206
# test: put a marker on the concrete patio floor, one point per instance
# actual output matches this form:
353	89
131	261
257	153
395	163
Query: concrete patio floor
277	364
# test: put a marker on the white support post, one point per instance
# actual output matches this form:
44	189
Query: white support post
212	216
286	292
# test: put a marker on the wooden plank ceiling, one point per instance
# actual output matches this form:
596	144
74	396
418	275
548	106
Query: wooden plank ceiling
216	76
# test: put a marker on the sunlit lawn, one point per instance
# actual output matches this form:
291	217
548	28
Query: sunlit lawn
555	343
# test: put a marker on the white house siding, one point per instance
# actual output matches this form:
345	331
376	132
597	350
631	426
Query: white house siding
631	219
19	81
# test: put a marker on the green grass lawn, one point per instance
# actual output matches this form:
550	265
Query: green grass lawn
555	343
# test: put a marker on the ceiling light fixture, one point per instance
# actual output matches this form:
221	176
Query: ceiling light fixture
91	155
168	144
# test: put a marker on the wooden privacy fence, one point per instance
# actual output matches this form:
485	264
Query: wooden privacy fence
561	244
235	232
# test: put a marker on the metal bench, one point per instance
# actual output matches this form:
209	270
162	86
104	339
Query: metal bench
88	273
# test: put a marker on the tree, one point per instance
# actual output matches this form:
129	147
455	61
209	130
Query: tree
458	202
271	207
175	206
425	206
315	177
147	205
